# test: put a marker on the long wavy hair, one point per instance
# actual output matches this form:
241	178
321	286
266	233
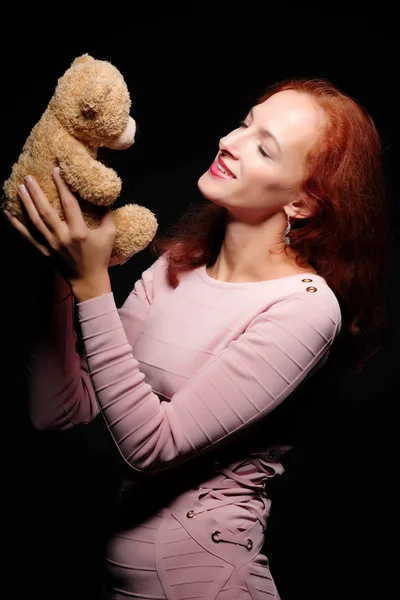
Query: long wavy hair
346	241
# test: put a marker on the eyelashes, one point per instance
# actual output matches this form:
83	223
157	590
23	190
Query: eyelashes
263	152
260	148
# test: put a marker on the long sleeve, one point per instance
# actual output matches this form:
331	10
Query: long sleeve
61	393
234	389
60	390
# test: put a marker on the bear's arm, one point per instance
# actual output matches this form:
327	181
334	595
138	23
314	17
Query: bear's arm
86	176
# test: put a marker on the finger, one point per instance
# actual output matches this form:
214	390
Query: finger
25	232
33	213
45	210
70	204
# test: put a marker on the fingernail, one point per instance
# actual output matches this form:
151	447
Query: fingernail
22	188
28	179
57	171
7	213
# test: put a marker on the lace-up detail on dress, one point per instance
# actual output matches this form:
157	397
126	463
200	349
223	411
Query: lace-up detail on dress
236	497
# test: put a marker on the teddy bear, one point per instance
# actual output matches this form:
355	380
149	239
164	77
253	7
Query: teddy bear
90	109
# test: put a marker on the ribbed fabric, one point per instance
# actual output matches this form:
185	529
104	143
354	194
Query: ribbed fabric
182	373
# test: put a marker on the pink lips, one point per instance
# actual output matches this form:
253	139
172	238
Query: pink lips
216	171
224	166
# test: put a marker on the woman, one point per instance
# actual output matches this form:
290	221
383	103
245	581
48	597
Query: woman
246	301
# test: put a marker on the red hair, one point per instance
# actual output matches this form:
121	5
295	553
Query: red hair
345	241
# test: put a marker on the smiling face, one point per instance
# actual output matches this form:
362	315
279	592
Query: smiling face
260	164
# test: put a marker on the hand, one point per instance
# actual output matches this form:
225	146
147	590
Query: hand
85	253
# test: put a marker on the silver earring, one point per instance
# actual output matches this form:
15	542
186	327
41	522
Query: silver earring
286	237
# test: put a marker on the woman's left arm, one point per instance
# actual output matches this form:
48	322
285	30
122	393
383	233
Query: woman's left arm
233	391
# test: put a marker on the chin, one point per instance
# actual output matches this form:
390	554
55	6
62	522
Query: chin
202	179
207	188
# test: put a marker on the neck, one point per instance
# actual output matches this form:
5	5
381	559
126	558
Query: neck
255	252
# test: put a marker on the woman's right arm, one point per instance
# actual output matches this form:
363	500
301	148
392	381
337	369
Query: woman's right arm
61	393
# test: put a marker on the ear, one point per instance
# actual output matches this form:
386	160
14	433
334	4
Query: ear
94	93
88	110
301	208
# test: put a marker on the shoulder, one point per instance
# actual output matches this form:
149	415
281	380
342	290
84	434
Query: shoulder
314	292
158	268
304	303
154	278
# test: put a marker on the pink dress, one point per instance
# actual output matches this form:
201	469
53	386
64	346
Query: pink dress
185	379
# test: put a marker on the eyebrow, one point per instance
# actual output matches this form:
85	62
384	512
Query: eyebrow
267	133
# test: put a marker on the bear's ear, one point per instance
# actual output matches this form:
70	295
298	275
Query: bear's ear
85	58
88	110
93	95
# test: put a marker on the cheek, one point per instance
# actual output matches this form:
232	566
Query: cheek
268	186
263	178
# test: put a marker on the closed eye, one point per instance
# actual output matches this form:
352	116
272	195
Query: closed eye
260	148
263	152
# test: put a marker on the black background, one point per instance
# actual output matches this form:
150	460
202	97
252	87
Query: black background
192	75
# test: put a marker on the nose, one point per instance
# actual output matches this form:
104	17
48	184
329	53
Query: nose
230	143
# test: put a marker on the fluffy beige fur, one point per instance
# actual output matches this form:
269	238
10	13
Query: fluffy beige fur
90	109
